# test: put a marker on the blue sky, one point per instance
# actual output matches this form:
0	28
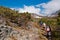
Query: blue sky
42	7
21	3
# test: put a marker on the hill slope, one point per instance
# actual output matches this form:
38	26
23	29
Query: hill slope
19	26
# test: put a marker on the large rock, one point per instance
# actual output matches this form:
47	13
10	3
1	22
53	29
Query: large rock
30	32
21	34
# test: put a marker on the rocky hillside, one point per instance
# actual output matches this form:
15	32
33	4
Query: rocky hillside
19	26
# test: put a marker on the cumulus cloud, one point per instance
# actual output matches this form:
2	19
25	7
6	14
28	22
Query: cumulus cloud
30	9
50	7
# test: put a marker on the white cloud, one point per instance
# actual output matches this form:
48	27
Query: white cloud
50	7
12	8
30	9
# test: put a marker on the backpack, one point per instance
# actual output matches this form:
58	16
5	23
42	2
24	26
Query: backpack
47	29
41	22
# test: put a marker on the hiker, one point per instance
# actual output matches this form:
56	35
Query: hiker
48	30
44	26
41	23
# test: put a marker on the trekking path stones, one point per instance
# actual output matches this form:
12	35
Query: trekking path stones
19	34
29	32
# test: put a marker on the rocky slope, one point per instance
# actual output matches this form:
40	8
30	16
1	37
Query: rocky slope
29	32
19	26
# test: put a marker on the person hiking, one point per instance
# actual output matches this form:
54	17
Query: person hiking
44	26
48	30
41	23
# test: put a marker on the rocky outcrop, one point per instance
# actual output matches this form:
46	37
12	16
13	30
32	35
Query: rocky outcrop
31	32
8	33
13	32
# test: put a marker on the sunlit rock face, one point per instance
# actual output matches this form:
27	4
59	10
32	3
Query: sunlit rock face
11	33
29	32
4	31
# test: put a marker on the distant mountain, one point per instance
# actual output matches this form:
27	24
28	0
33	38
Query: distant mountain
55	14
37	15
